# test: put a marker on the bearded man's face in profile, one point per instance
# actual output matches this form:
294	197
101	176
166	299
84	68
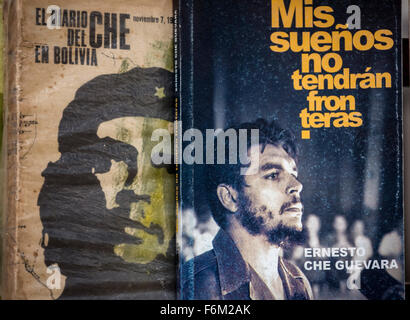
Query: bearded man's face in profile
270	198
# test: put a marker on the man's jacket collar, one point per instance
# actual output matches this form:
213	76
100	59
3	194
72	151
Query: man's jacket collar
234	273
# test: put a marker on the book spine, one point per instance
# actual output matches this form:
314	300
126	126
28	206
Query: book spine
177	137
185	75
12	96
1	142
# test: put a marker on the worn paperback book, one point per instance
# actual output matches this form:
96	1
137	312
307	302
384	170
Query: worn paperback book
290	153
86	213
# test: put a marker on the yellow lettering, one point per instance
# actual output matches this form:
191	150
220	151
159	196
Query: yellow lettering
385	42
278	38
279	11
326	20
320	41
357	40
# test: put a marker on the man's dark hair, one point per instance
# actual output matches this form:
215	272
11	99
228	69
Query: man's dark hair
230	174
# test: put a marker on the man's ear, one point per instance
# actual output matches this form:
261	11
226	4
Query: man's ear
228	196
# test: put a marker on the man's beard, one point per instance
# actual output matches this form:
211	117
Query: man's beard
282	235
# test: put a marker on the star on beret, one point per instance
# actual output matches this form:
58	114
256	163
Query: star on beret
160	92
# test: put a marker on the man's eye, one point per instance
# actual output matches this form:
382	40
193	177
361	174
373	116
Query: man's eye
273	176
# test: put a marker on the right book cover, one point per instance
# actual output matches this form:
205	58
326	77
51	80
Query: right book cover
290	150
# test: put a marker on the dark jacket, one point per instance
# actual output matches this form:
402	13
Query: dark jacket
222	274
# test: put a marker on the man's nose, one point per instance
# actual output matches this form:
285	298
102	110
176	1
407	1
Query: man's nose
295	186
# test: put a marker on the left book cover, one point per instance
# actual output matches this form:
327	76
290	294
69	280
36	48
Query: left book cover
86	214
